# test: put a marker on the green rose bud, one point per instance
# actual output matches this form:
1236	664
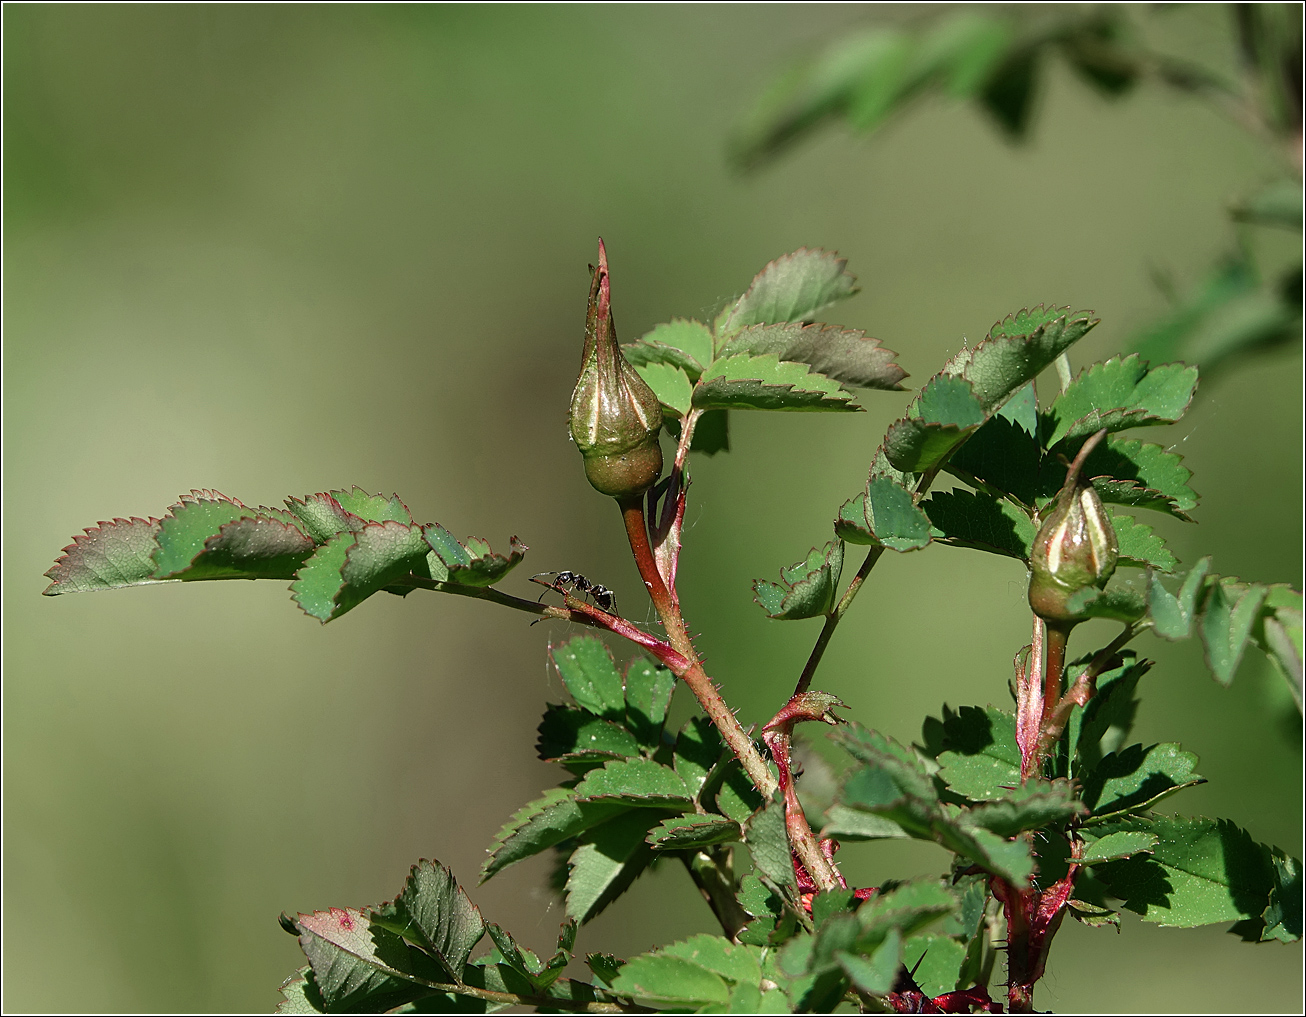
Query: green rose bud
1076	546
615	417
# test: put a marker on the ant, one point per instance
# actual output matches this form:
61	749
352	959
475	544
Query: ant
604	598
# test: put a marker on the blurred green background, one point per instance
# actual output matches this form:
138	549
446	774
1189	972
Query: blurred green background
280	249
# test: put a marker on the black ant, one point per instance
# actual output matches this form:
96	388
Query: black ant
604	598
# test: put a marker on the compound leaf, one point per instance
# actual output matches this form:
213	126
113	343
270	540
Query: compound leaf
848	356
806	589
767	383
791	288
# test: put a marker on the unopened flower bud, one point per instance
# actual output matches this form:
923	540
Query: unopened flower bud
615	417
1076	546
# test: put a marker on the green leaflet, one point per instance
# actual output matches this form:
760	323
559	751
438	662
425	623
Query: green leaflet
351	567
845	824
547	821
326	514
848	356
943	415
1228	614
806	589
300	994
1140	546
1114	846
587	669
640	782
569	735
1119	393
538	974
699	749
1171	614
1111	710
964	519
207	535
937	961
670	384
791	288
767	383
1028	807
434	912
976	750
887	514
701	971
649	688
678	343
768	845
1135	778
1117	602
1001	456
874	973
610	857
894	784
1134	468
678	832
1200	871
470	564
110	556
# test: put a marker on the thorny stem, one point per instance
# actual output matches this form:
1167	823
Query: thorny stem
799	831
632	513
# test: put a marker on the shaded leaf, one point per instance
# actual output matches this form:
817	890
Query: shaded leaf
1135	778
845	824
109	556
1001	456
964	519
977	752
434	912
768	844
571	735
892	517
698	750
541	824
1123	469
876	972
737	797
1017	350
608	860
1200	871
791	288
766	383
848	356
1117	602
1028	807
678	832
941	417
1111	709
806	589
1114	846
649	688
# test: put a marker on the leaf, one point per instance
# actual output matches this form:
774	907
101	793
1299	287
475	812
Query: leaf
737	797
1200	871
360	966
1028	807
679	832
1130	472
942	416
1135	778
374	508
848	356
539	975
698	750
541	824
570	735
768	844
472	563
1279	634
434	913
791	288
678	343
670	384
1172	615
1114	846
978	756
659	978
963	519
327	514
1119	393
207	535
649	688
1002	457
108	557
845	824
894	784
887	514
807	589
1017	350
1282	917
608	860
350	567
638	782
605	966
766	383
1140	546
1228	614
936	962
1117	602
588	671
1112	709
300	994
908	907
875	974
